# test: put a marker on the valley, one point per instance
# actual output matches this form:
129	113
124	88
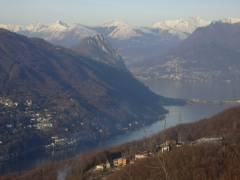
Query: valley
147	99
52	97
177	115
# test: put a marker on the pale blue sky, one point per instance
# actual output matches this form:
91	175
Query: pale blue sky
93	12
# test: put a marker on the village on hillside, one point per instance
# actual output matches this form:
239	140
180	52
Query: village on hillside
117	161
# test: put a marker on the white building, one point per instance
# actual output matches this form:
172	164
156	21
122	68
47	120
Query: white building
165	148
100	167
141	156
212	140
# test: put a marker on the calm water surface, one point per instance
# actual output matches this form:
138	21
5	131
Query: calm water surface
211	90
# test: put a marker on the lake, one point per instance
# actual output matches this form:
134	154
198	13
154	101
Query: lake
210	90
176	115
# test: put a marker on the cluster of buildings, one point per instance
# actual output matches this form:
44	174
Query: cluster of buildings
7	102
30	116
39	120
167	146
177	69
42	121
60	142
122	161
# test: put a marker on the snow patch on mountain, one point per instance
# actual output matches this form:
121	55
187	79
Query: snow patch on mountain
231	20
58	26
59	32
99	49
121	30
69	35
11	27
181	27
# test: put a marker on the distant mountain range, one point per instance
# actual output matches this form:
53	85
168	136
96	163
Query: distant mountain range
139	46
114	29
135	44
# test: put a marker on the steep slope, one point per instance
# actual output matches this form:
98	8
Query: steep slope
212	49
213	34
97	48
63	94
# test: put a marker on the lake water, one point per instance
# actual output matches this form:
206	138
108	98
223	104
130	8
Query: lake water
210	90
176	115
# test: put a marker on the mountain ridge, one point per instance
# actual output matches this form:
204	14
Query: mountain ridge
136	44
99	49
209	53
117	28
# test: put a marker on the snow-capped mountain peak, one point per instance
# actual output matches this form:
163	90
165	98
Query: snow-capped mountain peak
231	20
60	33
121	30
61	23
116	23
58	26
181	27
35	27
69	35
11	27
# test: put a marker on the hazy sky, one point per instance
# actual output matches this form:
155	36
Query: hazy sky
93	12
